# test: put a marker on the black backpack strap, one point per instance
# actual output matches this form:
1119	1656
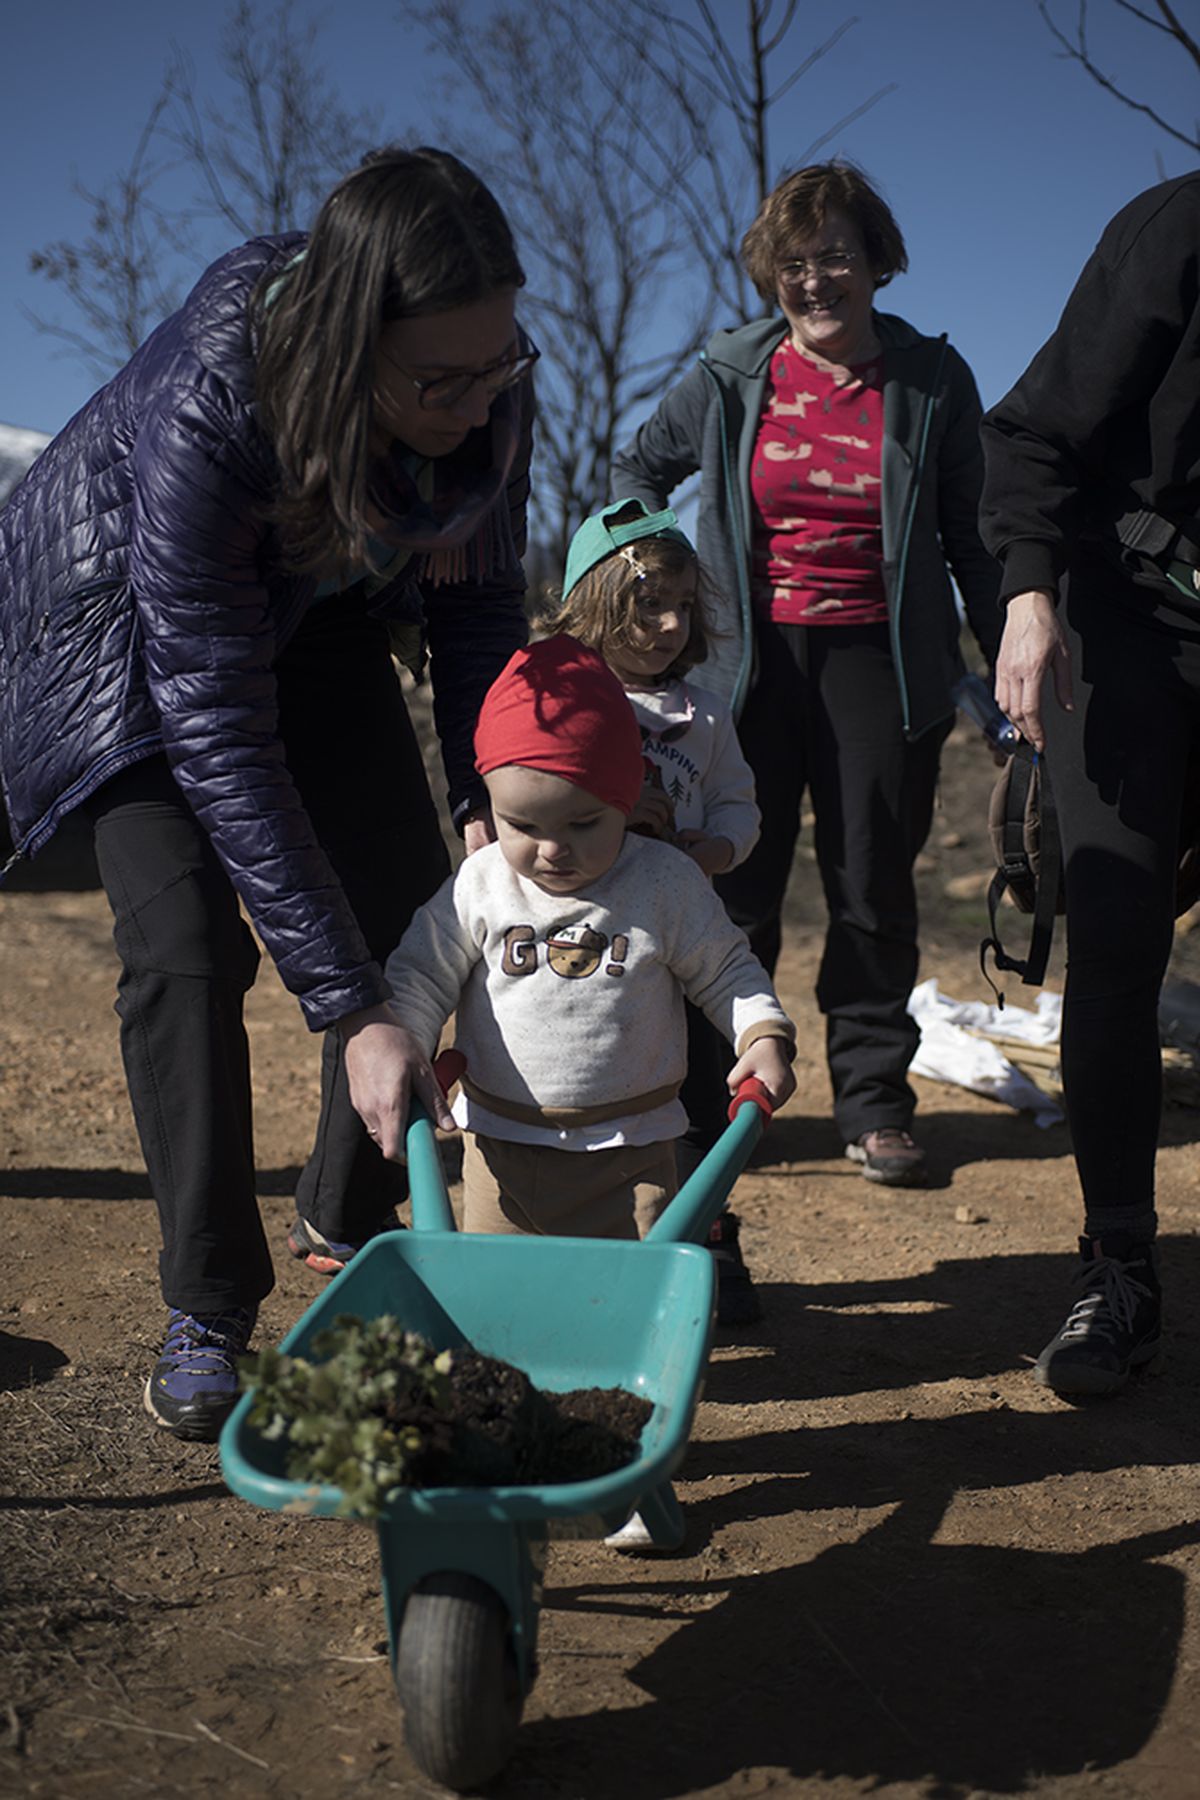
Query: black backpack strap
1049	883
1147	534
1015	867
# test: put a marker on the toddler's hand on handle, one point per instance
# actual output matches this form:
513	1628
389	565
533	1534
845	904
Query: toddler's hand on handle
767	1061
385	1066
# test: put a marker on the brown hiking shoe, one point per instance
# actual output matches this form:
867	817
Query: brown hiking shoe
889	1156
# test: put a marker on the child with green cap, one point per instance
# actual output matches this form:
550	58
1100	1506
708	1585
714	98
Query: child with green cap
633	591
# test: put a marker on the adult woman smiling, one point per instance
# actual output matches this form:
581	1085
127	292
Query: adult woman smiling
840	476
322	455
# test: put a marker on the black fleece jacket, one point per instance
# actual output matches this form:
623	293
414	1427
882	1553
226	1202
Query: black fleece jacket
1106	419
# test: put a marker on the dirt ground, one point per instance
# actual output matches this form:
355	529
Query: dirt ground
909	1571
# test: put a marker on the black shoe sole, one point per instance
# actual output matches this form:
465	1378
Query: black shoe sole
904	1178
908	1174
1086	1380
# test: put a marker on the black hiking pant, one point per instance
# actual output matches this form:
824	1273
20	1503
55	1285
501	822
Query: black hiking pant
188	959
824	716
1119	764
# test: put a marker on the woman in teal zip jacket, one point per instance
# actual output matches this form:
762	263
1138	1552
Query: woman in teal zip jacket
840	469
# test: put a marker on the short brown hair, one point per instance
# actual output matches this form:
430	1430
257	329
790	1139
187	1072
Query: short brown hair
799	205
602	606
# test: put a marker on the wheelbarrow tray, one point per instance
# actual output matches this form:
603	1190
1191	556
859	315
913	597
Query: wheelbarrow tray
570	1312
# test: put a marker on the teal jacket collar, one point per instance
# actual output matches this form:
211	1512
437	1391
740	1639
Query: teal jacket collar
747	349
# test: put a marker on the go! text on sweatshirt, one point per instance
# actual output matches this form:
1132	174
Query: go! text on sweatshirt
570	1006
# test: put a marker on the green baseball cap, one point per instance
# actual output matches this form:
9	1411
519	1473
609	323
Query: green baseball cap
609	529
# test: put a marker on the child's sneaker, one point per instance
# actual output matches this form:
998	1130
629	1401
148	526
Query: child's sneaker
633	1535
737	1302
1116	1324
326	1256
194	1386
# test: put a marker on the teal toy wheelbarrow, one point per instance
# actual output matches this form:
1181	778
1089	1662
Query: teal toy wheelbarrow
462	1566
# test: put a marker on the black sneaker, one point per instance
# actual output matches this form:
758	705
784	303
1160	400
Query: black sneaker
737	1302
194	1387
1115	1325
322	1253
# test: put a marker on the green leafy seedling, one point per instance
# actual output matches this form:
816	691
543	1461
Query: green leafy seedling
363	1414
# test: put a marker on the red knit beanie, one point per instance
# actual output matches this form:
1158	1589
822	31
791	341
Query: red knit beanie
557	706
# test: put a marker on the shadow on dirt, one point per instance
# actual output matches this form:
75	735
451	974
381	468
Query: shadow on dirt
951	1140
905	1657
894	1659
26	1361
83	1503
961	1320
116	1184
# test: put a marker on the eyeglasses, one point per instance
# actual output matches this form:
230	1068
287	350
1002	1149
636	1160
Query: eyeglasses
448	390
830	262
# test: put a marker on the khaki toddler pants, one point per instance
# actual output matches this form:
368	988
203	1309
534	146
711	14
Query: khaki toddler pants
533	1189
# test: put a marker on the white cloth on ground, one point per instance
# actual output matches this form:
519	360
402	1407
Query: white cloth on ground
950	1051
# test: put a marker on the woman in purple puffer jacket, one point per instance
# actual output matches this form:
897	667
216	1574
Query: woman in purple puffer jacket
319	460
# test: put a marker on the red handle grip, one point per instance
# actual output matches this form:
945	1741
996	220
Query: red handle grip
449	1068
752	1093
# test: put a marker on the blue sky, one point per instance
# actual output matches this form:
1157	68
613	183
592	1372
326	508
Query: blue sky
1001	161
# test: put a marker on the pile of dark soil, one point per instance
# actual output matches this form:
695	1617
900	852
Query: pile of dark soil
378	1409
505	1431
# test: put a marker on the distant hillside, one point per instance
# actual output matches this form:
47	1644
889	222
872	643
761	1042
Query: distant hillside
17	450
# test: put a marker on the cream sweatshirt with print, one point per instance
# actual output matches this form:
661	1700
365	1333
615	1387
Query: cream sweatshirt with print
690	737
570	1006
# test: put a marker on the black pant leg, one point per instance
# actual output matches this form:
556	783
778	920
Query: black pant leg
354	756
770	732
1118	765
873	795
187	961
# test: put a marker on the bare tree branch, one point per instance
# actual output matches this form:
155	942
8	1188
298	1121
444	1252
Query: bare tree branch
115	278
717	90
600	241
263	163
631	164
1076	48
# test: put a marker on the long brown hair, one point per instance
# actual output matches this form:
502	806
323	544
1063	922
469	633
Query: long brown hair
409	232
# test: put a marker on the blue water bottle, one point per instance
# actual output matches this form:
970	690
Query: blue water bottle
973	696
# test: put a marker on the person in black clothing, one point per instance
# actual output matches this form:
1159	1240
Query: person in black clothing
1092	504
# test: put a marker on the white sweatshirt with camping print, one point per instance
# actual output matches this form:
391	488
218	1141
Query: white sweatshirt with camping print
689	736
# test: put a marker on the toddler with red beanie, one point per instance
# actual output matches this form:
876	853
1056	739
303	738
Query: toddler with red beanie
566	950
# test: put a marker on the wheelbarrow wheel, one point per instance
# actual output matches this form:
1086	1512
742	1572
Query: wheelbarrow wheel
456	1676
